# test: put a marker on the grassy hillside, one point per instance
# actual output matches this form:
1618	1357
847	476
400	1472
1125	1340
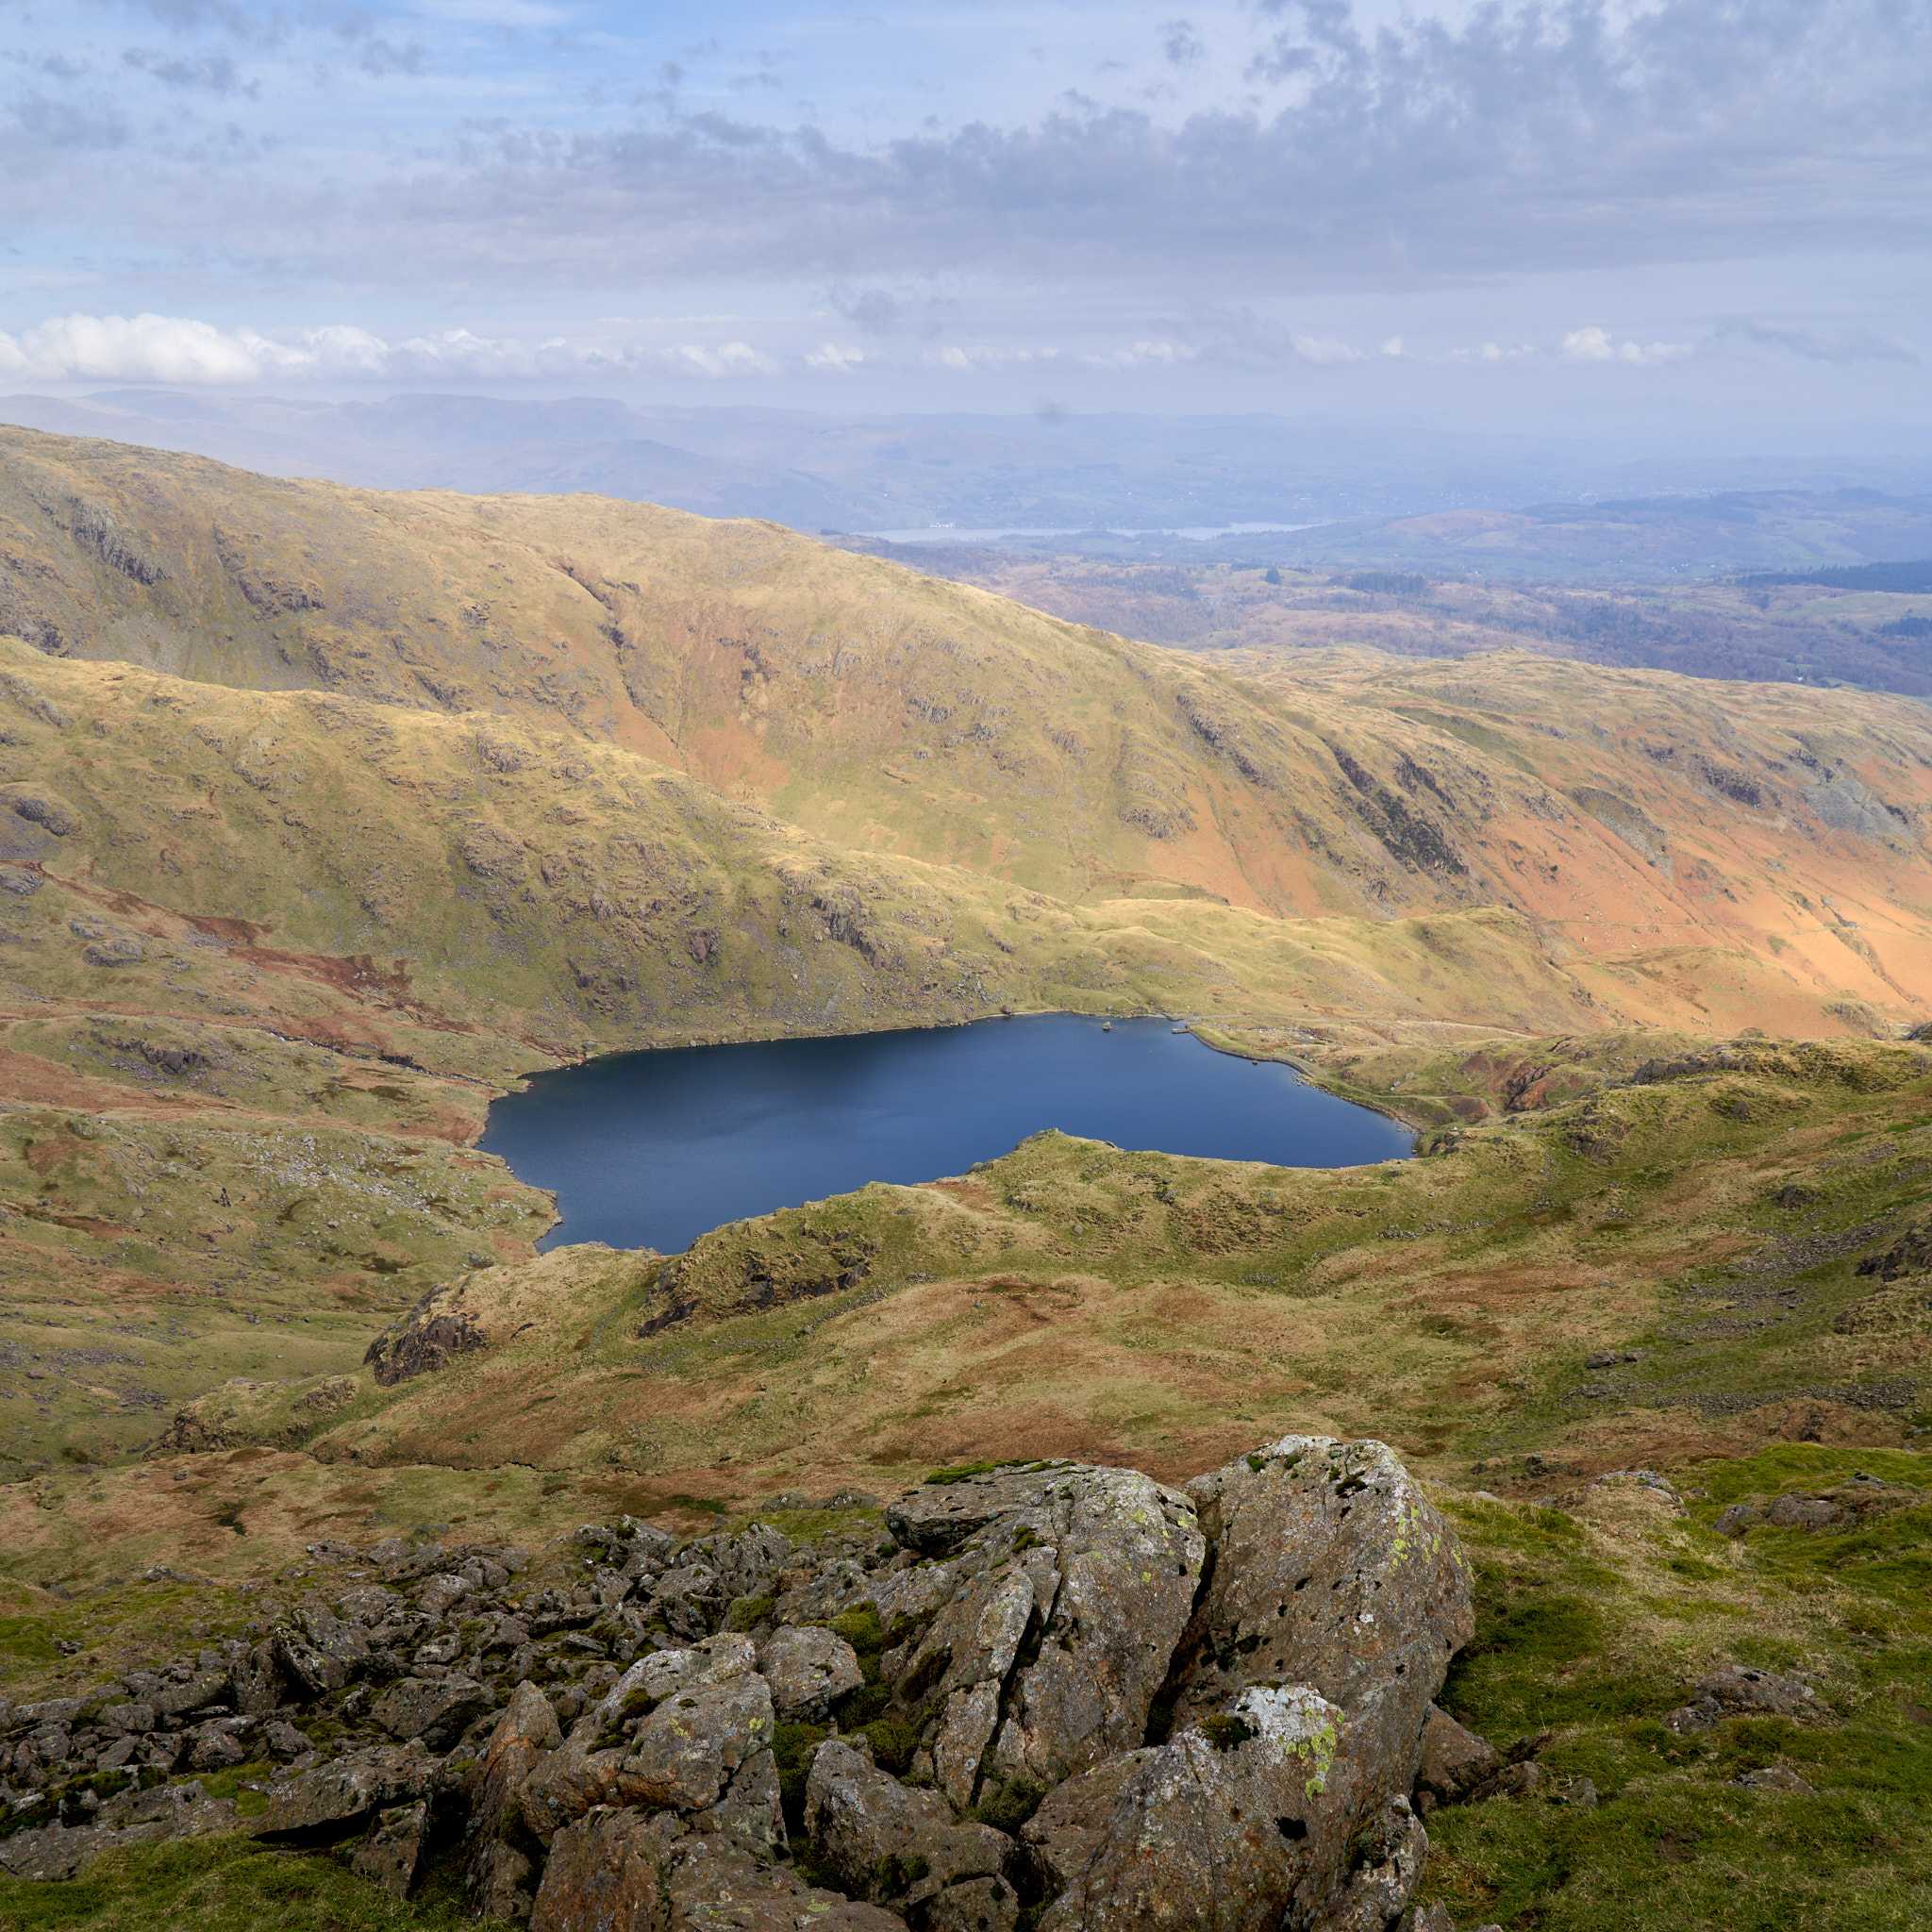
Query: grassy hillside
388	808
898	715
1709	1266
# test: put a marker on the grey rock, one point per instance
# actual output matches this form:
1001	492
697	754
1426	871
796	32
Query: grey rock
44	809
885	1843
808	1670
122	949
283	1741
1805	1512
524	1736
441	1593
978	1905
621	1870
333	1799
1092	1573
1775	1777
941	1517
1453	1761
687	1599
134	1719
673	1731
317	1651
1235	1824
391	1854
54	1852
369	1604
1332	1570
744	1561
1737	1691
437	1709
256	1685
198	1691
220	1743
1388	1854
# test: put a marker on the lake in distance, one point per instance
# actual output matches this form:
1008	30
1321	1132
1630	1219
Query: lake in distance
653	1149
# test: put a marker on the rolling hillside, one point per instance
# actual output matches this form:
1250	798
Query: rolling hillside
1630	818
324	815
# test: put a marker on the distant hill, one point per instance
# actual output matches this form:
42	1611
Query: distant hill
1044	470
1650	539
1804	627
1912	577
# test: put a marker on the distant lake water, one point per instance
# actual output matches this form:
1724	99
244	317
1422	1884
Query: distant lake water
653	1149
1193	533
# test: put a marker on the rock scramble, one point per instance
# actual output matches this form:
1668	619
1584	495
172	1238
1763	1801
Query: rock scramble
1044	1695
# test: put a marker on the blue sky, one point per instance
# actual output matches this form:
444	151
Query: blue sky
1506	211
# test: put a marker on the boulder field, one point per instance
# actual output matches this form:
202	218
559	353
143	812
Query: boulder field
1044	1695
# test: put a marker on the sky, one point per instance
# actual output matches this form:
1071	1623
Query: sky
1702	211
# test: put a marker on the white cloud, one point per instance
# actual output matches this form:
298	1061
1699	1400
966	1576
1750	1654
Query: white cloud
835	359
1158	353
180	349
1324	351
728	359
1595	344
527	13
145	348
1393	348
970	359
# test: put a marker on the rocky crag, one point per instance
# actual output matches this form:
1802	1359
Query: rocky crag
1046	1694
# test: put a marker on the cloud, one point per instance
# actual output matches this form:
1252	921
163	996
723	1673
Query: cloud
1582	152
1241	338
835	359
1841	348
1161	354
180	349
1180	44
973	359
142	348
504	13
214	74
251	26
1512	137
1595	344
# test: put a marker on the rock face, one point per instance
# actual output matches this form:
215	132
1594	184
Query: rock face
1059	1696
1332	1570
1062	1602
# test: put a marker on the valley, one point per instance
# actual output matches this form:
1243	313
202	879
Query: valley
326	816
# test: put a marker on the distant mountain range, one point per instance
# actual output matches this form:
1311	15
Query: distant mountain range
1048	471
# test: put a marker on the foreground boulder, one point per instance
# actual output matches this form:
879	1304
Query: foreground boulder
1064	1595
1051	1695
1332	1570
1226	1826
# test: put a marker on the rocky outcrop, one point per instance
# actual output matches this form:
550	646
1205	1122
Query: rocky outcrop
423	1340
1333	1570
1053	1695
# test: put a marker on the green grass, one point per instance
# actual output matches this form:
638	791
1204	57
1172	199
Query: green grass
223	1883
1588	1629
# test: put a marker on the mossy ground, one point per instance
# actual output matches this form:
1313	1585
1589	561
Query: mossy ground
1593	1623
223	1883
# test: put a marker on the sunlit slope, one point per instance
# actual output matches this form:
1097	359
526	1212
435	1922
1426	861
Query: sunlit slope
453	886
1637	815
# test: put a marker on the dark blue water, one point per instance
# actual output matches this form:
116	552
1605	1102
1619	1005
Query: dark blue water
653	1149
